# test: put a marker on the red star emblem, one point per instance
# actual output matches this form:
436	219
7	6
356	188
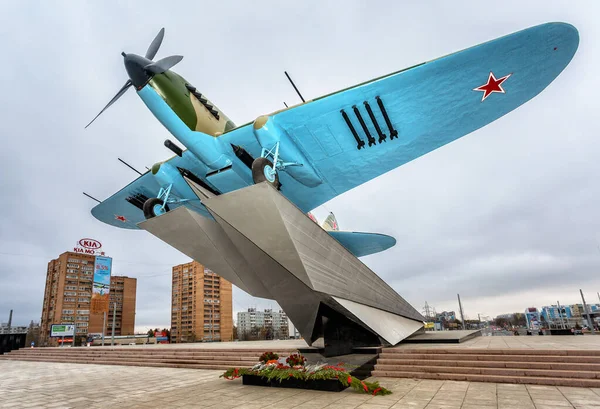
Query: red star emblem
493	85
121	218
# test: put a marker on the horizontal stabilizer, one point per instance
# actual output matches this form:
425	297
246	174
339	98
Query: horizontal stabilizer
363	244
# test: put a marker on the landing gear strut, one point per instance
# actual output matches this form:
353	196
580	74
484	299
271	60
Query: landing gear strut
156	206
265	170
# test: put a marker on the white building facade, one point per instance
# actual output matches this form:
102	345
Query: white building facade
267	324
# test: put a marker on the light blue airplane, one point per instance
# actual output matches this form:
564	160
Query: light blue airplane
324	147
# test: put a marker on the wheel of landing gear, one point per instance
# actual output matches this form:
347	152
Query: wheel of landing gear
262	170
153	208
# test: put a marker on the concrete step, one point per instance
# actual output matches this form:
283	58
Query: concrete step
482	351
495	357
106	361
493	364
86	351
161	357
127	363
491	371
151	350
543	367
575	382
238	360
140	356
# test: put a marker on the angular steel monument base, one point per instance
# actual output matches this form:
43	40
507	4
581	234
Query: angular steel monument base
266	246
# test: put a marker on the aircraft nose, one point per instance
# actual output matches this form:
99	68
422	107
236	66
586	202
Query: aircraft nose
134	64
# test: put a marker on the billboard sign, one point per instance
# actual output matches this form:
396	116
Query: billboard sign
62	330
101	285
89	246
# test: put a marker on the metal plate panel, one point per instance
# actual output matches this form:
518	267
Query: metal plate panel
203	240
391	327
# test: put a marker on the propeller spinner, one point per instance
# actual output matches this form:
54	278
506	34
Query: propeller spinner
142	69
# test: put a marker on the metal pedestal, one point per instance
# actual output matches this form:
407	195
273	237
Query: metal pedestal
266	246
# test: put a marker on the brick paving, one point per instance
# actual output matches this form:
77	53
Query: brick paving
56	385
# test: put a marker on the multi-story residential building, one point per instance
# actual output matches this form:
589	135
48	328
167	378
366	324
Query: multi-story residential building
267	324
68	293
122	297
202	305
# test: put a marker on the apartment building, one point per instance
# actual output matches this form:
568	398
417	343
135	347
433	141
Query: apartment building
68	293
202	305
267	324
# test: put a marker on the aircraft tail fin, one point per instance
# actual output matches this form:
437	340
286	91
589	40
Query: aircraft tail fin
330	223
363	244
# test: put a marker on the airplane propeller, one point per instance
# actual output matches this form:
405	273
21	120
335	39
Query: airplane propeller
164	64
142	69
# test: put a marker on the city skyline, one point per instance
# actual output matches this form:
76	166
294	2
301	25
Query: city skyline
505	216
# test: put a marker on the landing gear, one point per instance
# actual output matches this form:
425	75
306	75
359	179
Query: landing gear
263	170
154	207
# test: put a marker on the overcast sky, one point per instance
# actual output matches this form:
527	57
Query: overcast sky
506	216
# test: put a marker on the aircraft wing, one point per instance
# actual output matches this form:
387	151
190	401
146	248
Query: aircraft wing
429	105
118	212
124	208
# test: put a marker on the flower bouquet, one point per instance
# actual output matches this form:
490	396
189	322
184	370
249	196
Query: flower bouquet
293	372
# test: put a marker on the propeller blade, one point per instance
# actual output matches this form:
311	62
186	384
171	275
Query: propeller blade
112	101
155	45
164	64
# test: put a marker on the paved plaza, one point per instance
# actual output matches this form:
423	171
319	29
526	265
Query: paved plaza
501	342
557	342
51	385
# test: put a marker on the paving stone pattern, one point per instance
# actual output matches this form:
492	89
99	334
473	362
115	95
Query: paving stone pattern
57	385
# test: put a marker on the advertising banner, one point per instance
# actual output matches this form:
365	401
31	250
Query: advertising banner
101	286
62	330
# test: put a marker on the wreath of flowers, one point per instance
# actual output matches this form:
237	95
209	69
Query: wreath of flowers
268	356
295	360
274	369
